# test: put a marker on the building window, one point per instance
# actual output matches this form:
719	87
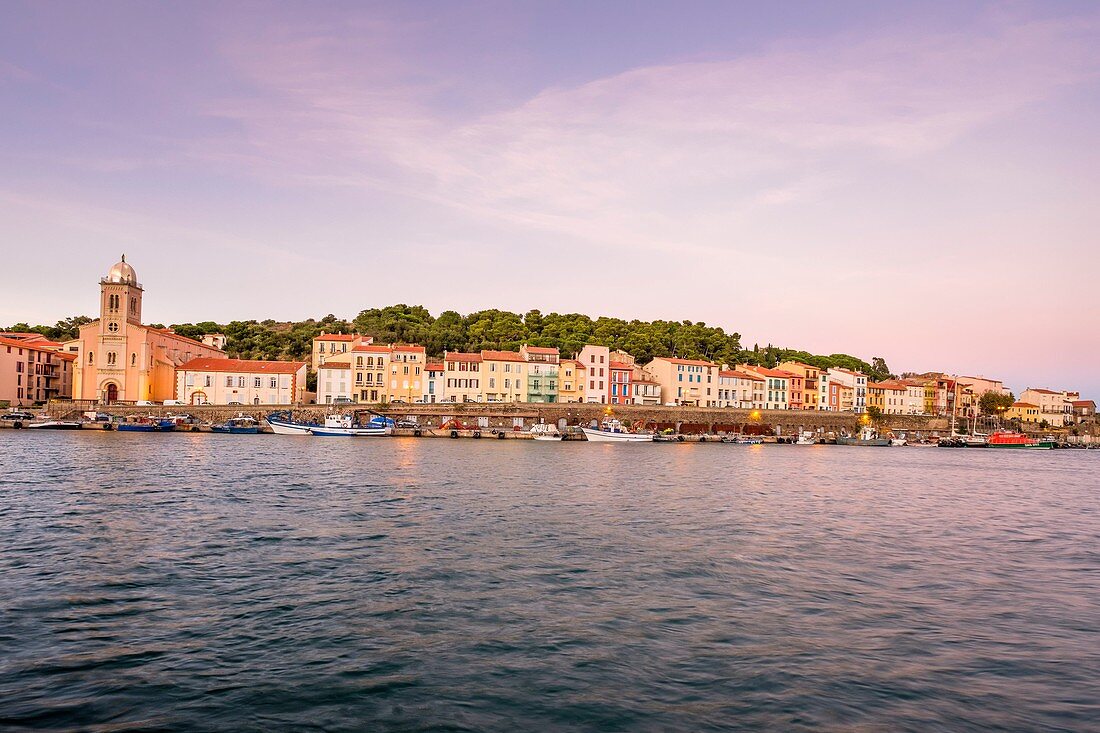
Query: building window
274	382
256	382
209	381
229	381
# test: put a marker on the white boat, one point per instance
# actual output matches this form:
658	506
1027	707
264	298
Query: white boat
806	438
612	431
56	425
345	426
282	423
545	431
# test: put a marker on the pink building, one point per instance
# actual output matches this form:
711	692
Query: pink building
621	375
32	370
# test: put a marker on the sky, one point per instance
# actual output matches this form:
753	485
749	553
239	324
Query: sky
916	181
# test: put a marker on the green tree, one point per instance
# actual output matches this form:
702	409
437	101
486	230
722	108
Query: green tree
995	403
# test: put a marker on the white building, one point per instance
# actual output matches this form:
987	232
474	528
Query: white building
211	381
334	382
434	381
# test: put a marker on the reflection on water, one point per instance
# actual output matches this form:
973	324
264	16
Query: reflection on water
257	582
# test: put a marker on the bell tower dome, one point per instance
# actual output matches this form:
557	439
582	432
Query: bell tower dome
120	297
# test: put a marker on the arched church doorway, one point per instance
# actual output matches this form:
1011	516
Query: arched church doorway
111	393
198	398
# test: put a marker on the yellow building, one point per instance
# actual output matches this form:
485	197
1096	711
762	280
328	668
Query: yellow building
407	362
369	371
120	360
1024	412
876	396
811	382
328	345
504	376
570	381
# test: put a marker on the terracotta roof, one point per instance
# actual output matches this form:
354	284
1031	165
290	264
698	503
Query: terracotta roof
461	356
409	347
890	384
572	361
849	371
1041	391
35	345
373	348
542	349
334	365
67	356
249	366
434	366
690	362
774	373
487	355
1083	403
620	365
337	337
1024	404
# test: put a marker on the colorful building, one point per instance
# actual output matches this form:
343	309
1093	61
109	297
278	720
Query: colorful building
463	376
1054	407
220	381
685	381
571	381
645	391
621	376
329	345
406	373
810	388
735	388
370	368
32	370
543	372
334	381
1025	412
120	360
434	382
596	361
777	388
504	376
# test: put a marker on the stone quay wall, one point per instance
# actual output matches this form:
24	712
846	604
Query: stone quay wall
505	415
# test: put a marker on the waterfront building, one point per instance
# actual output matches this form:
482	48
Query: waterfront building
645	391
221	381
329	345
621	375
596	361
434	382
1054	407
777	386
463	376
735	388
894	396
1083	410
406	373
334	381
876	397
685	381
120	360
571	380
543	372
1025	412
794	390
856	381
215	340
32	370
504	376
811	383
370	367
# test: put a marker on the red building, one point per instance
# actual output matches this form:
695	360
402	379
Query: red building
621	389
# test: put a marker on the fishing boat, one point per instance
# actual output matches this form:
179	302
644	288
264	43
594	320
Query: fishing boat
239	425
806	438
897	442
545	431
283	423
55	425
612	430
346	426
867	436
1012	439
743	439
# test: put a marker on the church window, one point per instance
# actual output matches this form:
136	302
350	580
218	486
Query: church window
133	359
91	357
111	358
112	327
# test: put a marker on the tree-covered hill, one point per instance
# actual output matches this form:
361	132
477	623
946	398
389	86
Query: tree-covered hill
497	329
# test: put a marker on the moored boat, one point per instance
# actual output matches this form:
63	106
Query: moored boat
545	431
806	437
283	423
239	425
613	431
867	437
346	426
1012	439
743	439
56	425
147	425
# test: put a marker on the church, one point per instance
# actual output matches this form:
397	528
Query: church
121	360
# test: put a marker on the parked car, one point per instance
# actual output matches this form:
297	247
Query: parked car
234	402
174	402
16	416
342	401
407	424
145	403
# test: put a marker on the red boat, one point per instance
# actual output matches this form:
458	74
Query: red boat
1009	439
